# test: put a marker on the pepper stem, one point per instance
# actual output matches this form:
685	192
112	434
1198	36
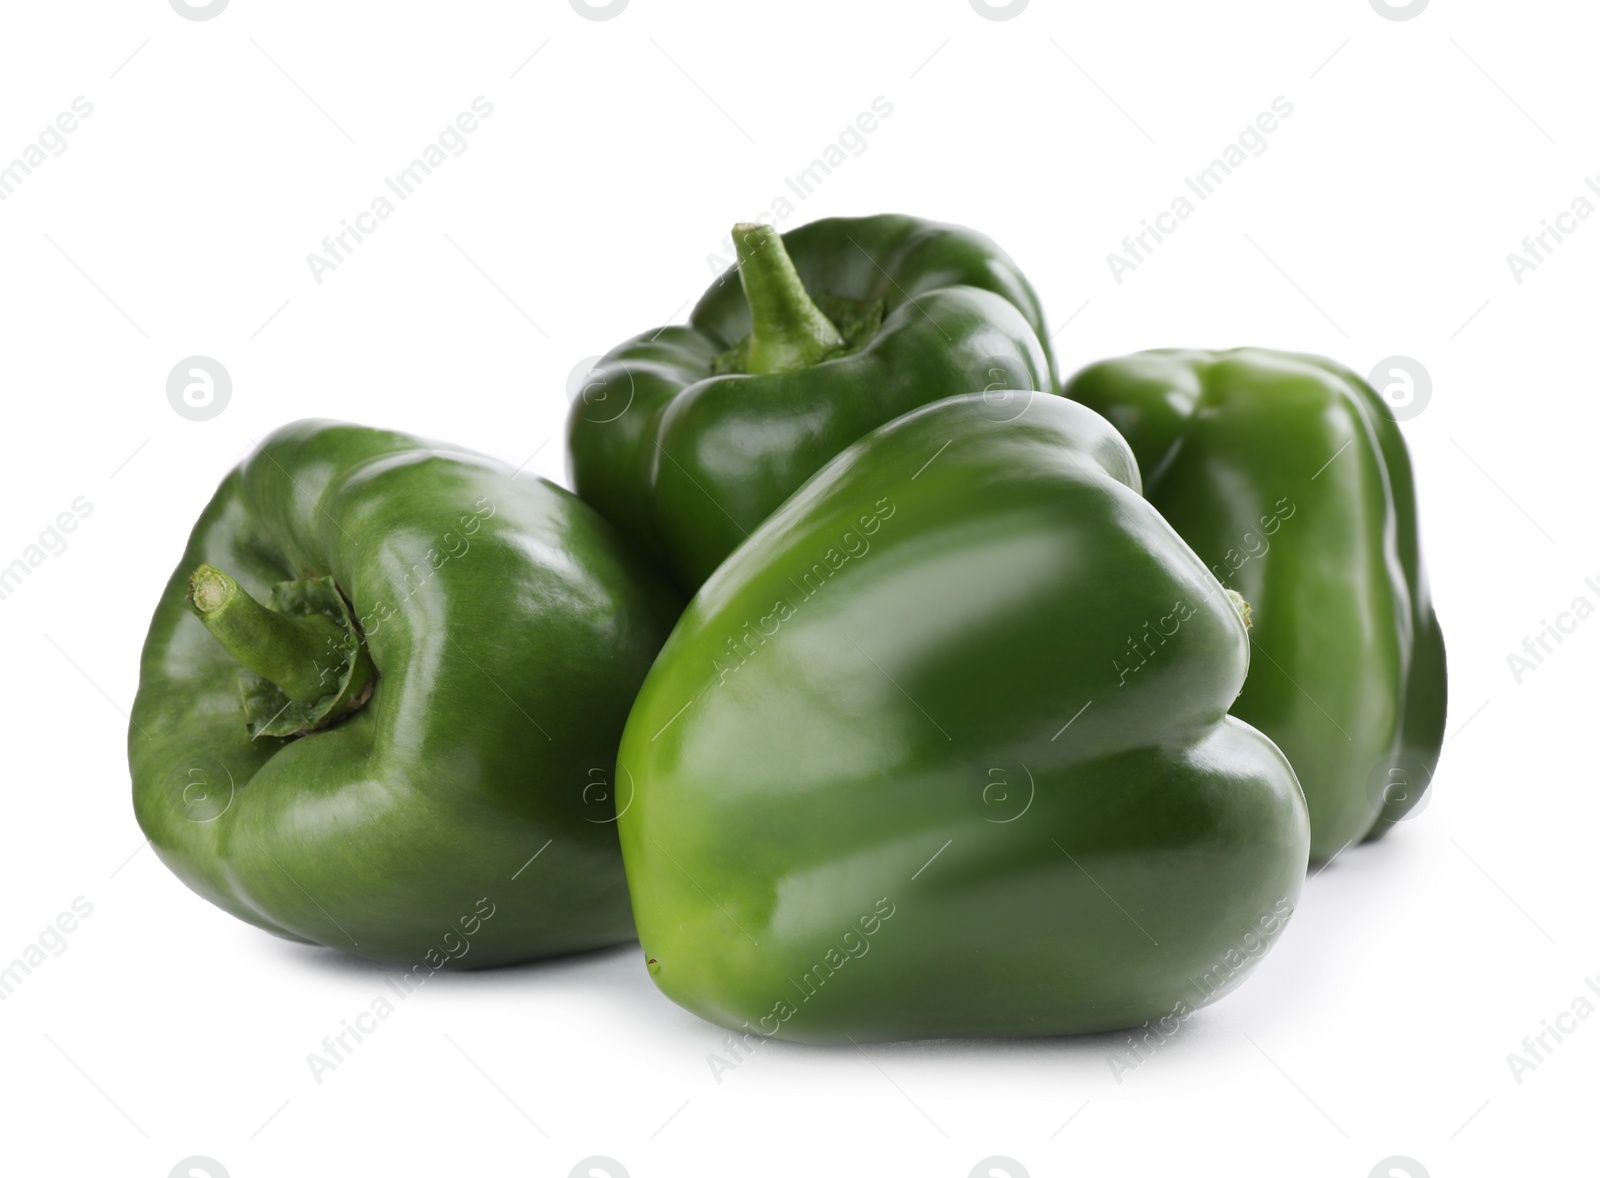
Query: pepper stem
787	331
302	656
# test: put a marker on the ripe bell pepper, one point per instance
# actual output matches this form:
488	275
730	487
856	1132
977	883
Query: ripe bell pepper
1290	478
686	438
380	700
884	781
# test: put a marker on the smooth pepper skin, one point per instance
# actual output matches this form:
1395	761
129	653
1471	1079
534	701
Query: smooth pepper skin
888	781
462	817
687	461
1291	480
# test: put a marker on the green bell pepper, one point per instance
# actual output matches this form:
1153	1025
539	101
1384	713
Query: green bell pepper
1290	478
885	780
394	732
686	438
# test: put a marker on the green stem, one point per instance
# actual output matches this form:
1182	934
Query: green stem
787	331
301	655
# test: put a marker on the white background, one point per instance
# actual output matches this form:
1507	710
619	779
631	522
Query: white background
220	153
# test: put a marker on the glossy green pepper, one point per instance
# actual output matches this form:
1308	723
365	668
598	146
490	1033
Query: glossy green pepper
886	781
1290	478
380	701
686	438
